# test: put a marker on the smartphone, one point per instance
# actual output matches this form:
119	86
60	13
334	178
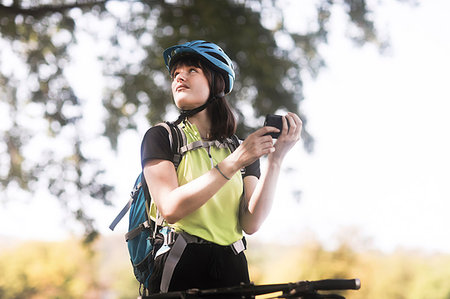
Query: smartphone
276	121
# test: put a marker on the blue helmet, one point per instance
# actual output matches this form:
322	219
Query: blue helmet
210	52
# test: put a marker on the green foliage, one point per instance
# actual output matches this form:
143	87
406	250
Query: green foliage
69	270
42	109
48	270
267	80
402	274
114	268
144	82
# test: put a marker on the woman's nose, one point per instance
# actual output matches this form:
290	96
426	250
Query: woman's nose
181	76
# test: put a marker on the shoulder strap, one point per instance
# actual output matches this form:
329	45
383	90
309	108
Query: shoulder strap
177	140
233	146
235	142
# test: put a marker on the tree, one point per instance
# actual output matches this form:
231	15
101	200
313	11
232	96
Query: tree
41	108
49	270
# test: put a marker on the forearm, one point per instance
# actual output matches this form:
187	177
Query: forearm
176	202
255	208
257	205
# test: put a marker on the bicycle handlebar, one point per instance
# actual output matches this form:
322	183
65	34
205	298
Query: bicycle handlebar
336	284
296	289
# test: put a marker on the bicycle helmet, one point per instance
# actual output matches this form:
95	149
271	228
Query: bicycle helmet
209	52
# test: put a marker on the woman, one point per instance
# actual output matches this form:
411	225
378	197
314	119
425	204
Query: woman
206	200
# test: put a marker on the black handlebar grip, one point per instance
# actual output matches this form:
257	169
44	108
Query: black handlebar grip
336	284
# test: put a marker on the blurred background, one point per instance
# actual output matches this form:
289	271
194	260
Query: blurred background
366	194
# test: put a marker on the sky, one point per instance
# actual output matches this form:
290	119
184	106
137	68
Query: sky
380	171
381	165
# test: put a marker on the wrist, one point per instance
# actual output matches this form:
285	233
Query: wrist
220	171
274	161
228	167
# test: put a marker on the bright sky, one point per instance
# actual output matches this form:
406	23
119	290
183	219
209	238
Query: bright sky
380	170
381	163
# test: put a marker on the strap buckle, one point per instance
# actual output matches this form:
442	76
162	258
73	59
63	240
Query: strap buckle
238	246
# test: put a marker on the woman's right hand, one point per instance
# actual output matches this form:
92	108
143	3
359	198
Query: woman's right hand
255	146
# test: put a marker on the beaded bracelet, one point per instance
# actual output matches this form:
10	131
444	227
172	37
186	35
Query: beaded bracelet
218	169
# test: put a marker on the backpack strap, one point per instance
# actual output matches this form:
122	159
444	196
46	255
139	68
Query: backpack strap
177	139
135	232
234	142
122	213
128	204
201	143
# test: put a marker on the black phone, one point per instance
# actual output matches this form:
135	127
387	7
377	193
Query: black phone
276	121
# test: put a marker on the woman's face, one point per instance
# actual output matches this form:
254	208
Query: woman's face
190	87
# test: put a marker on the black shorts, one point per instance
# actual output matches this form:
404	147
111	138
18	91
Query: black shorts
204	266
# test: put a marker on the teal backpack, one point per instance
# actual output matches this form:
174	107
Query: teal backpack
149	236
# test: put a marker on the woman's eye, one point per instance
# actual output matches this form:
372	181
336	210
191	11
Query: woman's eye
191	70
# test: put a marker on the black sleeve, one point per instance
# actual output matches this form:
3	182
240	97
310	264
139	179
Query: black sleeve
253	169
155	145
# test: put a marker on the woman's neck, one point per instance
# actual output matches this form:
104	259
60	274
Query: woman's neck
202	122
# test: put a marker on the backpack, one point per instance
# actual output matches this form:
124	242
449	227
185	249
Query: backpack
148	235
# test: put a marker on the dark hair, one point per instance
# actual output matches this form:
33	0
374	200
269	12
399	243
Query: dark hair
223	122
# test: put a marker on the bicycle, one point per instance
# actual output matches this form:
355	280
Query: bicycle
301	289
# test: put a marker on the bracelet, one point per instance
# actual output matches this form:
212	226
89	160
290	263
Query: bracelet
218	169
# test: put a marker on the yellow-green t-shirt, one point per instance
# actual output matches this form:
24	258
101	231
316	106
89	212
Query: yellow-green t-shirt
218	219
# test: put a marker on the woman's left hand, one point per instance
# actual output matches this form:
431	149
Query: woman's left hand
288	137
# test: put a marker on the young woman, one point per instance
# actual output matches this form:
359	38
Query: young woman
206	200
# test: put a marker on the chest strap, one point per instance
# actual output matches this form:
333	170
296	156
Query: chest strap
206	144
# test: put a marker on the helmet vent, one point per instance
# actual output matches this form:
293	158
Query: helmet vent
217	56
